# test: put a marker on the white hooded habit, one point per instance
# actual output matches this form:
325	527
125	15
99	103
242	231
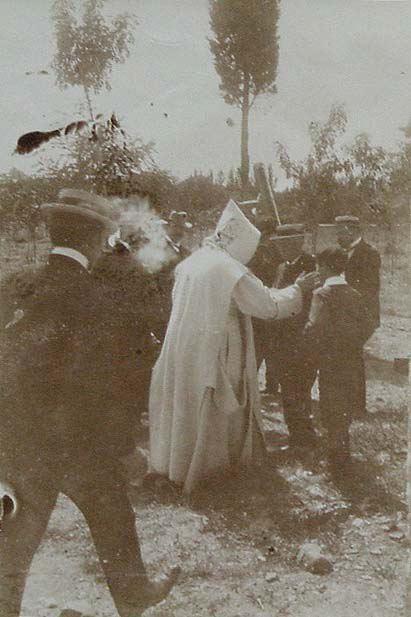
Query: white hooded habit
205	415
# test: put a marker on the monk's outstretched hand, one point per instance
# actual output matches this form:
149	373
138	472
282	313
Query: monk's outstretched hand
308	282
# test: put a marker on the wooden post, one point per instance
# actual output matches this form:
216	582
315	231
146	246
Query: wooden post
267	201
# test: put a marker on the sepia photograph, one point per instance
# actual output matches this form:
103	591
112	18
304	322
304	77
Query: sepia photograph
205	308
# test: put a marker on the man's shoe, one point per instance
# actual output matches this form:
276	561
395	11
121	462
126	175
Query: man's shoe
155	591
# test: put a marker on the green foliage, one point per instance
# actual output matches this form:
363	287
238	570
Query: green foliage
160	186
202	198
401	166
334	179
20	198
105	161
369	175
86	51
245	46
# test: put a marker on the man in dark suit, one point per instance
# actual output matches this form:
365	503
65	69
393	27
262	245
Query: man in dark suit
264	265
295	370
141	312
362	273
66	360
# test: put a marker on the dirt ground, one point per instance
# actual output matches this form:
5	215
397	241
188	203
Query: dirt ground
237	543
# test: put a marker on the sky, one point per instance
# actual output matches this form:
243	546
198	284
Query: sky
356	52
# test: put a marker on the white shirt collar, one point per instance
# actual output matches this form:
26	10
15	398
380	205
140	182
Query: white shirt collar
335	280
71	254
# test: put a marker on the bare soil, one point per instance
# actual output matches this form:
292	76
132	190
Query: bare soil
237	542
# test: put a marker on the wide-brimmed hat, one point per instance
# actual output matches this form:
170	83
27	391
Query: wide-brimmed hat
83	204
180	219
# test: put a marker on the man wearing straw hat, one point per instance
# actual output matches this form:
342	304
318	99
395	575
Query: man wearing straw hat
362	273
60	432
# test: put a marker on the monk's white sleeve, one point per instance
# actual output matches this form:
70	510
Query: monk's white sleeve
256	300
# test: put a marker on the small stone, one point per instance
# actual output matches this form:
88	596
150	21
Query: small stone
397	535
271	577
376	551
311	557
358	522
384	519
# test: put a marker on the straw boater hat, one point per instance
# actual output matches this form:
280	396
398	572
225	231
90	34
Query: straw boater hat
83	204
180	219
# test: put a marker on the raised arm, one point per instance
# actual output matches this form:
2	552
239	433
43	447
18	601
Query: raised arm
256	300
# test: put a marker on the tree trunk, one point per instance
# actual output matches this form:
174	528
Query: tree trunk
245	110
90	109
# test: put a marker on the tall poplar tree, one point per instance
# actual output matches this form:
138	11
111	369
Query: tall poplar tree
245	49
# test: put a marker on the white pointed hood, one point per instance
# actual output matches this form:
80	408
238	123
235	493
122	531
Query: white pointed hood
236	234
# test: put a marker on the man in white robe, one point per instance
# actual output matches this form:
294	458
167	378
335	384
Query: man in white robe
204	399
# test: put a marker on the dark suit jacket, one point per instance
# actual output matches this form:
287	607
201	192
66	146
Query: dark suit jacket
363	274
264	265
334	331
265	262
70	385
288	339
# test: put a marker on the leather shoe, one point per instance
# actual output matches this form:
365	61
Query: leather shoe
155	591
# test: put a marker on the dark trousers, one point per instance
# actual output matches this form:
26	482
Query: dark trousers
360	406
296	378
100	492
337	395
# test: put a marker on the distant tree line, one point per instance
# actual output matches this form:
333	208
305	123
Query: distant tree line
332	179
